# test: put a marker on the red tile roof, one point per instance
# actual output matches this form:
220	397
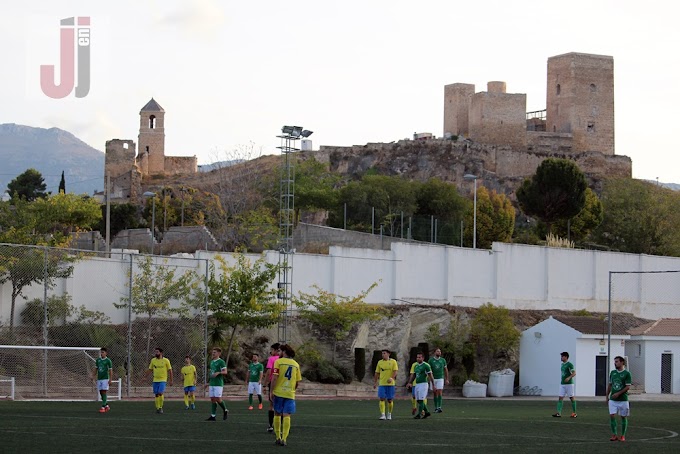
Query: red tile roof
662	327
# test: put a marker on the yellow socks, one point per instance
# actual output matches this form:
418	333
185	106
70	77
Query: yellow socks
390	407
186	400
277	426
382	407
286	427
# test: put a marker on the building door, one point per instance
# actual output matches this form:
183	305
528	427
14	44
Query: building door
666	373
600	375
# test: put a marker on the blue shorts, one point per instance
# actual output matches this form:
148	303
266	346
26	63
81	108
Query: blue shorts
386	392
283	405
158	387
413	391
189	389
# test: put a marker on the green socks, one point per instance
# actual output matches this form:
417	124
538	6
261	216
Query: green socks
250	399
624	425
559	406
213	408
573	406
259	398
612	423
103	399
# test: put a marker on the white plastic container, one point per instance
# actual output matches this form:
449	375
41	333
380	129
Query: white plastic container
474	389
501	383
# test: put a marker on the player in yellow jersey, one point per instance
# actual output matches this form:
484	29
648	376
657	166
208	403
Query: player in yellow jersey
385	375
286	376
189	374
162	374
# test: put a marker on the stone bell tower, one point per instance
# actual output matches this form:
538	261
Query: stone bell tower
151	139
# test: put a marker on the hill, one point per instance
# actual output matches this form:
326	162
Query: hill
50	151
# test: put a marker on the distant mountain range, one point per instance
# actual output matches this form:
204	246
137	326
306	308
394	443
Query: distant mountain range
50	151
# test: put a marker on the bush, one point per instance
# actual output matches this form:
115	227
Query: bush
324	372
360	363
459	379
346	372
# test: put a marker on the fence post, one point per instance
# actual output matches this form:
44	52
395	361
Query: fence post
205	329
45	321
128	370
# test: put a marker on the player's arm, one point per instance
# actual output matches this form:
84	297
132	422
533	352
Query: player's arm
169	375
267	376
110	375
410	380
223	371
259	379
376	376
609	390
430	378
195	376
446	373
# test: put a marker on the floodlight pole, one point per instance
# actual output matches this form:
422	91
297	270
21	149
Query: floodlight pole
469	176
153	216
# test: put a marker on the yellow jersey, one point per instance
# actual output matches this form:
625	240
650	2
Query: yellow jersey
160	368
413	371
189	374
386	369
287	372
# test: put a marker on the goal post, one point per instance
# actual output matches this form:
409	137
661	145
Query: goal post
48	372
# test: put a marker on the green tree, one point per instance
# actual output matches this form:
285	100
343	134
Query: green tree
315	186
441	200
580	226
454	341
154	288
639	217
30	186
65	213
335	315
493	331
241	296
495	219
555	192
59	309
62	184
28	265
123	216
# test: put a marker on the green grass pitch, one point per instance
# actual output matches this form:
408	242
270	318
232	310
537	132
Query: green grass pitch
334	426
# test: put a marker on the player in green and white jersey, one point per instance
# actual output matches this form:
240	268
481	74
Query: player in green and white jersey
440	374
218	370
255	372
567	373
422	372
103	371
620	381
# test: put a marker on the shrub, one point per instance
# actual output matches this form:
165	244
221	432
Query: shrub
346	372
327	373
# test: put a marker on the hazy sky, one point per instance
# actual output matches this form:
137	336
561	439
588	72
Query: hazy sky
231	73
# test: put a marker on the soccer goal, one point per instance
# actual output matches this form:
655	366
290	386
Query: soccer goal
46	372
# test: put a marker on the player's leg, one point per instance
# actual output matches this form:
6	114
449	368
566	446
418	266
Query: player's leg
278	412
624	412
414	402
560	401
612	420
573	406
192	398
186	397
271	410
288	410
259	396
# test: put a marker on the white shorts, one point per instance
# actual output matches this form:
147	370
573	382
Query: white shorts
254	388
619	406
421	391
215	391
567	390
438	384
103	385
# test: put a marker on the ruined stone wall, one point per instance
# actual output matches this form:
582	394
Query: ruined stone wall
580	100
119	157
510	164
127	187
457	99
181	165
499	119
549	142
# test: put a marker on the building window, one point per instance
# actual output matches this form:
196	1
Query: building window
593	88
559	89
147	148
590	127
152	122
639	350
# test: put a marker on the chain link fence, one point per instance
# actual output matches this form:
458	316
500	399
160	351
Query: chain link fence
50	302
652	351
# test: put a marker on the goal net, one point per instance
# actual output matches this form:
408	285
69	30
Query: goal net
41	372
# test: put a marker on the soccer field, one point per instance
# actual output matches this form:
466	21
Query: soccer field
331	426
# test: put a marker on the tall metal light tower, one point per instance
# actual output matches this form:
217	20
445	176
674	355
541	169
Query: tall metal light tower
289	137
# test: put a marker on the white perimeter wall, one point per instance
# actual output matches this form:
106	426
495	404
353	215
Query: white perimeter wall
512	275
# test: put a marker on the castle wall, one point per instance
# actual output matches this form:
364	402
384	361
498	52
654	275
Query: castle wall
457	99
119	157
126	187
180	165
580	100
498	119
549	142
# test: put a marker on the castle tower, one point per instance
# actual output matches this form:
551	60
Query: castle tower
457	98
580	100
498	118
151	139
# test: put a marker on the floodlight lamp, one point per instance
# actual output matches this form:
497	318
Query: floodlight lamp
149	194
297	130
307	133
287	129
470	176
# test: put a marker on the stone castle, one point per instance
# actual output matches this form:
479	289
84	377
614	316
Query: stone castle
579	116
127	166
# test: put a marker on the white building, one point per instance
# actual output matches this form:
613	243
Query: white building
584	338
654	356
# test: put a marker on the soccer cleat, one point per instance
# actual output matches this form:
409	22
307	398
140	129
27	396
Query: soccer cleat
414	411
250	408
427	414
107	408
160	410
573	415
417	416
622	438
102	410
382	417
193	406
389	416
186	408
283	443
211	418
557	415
270	429
226	415
259	407
277	442
614	438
